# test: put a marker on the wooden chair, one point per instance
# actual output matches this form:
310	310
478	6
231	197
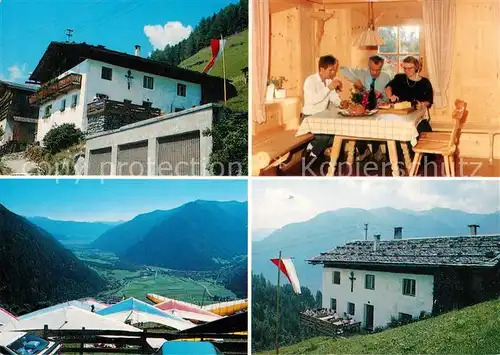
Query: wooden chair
442	143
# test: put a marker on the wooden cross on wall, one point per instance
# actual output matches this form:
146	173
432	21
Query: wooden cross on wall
352	278
129	78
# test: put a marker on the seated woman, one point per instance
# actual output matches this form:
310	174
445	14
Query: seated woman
412	87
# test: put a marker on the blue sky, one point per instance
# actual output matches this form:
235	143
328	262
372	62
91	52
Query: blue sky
110	200
275	204
28	26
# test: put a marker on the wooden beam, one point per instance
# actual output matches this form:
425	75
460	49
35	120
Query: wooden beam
334	2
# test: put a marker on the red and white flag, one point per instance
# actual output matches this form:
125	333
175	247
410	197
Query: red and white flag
288	269
217	46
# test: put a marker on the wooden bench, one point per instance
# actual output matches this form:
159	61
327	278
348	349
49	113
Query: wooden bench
472	128
273	142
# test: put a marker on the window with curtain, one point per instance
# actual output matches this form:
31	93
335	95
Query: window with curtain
400	42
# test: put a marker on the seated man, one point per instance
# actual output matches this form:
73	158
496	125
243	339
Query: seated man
320	91
367	79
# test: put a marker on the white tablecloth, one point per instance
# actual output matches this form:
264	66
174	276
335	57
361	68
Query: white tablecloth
385	126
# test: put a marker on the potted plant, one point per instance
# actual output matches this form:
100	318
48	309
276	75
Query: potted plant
279	91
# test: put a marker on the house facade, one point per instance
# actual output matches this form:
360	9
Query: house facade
18	119
377	281
376	296
99	89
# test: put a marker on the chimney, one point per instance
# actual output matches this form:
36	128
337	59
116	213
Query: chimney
398	232
137	50
376	242
473	229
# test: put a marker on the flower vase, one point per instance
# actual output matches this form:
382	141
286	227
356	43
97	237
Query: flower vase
270	92
280	93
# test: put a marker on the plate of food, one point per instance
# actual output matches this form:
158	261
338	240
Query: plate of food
357	111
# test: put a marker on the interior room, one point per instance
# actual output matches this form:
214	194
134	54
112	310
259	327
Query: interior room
457	44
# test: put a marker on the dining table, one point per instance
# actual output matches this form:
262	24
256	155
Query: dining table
386	126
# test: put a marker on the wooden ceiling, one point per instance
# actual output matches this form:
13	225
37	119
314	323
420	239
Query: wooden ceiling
280	5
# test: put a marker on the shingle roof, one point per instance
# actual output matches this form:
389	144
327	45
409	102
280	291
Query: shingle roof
472	251
61	56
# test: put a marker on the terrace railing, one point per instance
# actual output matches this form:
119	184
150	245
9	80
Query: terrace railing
56	88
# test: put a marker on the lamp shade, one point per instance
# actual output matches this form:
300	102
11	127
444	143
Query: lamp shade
369	38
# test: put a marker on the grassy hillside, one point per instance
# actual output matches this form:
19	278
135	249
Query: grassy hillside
472	330
236	58
235	55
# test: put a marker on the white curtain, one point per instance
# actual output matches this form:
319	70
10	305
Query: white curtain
260	57
439	29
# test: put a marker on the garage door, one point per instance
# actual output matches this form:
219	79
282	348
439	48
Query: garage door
133	159
179	154
100	162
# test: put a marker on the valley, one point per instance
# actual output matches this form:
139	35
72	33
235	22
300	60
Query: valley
126	280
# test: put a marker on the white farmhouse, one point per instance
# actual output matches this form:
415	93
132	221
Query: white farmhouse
98	89
374	281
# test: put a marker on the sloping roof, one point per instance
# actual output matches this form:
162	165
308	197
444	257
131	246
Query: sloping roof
62	56
137	311
469	251
23	87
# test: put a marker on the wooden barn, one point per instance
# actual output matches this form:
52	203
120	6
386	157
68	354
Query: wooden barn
457	44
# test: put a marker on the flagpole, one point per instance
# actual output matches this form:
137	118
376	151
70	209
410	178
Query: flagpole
224	69
278	307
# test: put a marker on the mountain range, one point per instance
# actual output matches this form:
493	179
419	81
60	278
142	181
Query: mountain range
199	235
36	269
330	229
70	232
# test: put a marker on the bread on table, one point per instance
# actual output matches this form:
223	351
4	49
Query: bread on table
402	105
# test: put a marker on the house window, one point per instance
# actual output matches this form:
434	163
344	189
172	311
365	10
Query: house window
106	73
409	287
405	317
370	282
181	90
148	82
48	112
74	100
350	308
400	42
63	105
333	304
336	277
147	104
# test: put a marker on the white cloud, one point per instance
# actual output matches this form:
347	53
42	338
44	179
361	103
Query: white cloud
171	33
17	73
283	206
272	209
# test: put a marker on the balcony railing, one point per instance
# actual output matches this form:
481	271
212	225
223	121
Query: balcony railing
108	107
54	89
105	114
